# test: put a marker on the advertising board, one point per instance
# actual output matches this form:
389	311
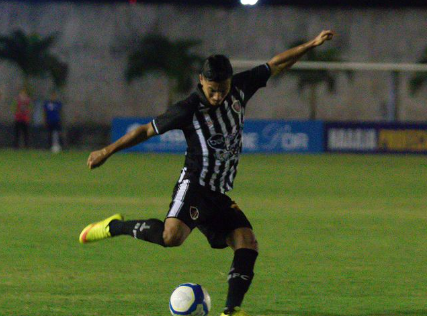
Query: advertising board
260	136
376	137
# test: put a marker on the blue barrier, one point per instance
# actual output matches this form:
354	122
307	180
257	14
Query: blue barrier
260	136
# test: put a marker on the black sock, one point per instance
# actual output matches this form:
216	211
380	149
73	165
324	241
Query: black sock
240	277
150	230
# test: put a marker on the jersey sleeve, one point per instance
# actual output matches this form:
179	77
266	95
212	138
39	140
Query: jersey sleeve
248	82
176	116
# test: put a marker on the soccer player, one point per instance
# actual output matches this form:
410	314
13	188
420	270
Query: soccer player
212	121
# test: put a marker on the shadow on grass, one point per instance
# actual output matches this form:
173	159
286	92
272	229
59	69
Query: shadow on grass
302	313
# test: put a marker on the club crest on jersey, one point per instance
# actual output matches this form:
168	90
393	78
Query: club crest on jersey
194	213
237	106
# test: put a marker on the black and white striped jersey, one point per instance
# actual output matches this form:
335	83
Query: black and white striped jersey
213	134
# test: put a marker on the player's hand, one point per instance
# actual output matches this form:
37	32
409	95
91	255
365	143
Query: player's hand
322	37
97	158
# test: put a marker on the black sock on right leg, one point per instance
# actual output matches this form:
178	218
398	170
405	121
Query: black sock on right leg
150	230
240	277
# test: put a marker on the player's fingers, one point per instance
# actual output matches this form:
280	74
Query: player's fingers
327	32
327	37
90	163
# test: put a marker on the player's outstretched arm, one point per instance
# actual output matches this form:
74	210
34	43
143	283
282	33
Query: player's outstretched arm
138	135
286	59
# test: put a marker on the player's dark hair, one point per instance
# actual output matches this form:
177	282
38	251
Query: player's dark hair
217	68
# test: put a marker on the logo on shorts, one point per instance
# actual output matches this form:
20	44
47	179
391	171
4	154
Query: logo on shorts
194	213
236	106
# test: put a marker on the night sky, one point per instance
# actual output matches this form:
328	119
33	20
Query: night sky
231	3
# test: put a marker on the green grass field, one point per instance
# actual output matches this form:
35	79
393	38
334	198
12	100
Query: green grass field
339	235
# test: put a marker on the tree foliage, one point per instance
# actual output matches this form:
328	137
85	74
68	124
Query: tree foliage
176	60
32	54
308	78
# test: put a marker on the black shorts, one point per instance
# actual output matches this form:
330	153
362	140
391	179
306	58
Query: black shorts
213	213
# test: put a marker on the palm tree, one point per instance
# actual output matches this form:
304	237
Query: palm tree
31	53
420	78
311	79
156	53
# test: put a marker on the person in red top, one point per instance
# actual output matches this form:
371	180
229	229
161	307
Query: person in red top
22	117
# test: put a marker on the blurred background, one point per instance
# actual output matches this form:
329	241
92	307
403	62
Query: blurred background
340	234
111	59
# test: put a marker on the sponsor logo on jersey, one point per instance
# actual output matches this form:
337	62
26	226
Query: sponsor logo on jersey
194	213
226	147
217	141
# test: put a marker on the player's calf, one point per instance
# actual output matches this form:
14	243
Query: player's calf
240	277
245	246
150	230
171	233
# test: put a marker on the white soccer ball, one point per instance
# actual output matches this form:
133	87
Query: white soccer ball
190	299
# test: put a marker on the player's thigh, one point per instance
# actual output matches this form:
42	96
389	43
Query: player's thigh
185	204
243	237
175	232
180	220
228	222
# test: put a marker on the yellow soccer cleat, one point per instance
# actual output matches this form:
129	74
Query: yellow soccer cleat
99	230
237	312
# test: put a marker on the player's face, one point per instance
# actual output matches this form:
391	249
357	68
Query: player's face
215	92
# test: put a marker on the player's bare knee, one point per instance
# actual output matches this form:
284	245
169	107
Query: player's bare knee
175	232
243	238
253	244
173	236
172	242
250	242
172	239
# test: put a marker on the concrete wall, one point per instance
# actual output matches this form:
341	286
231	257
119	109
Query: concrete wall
95	40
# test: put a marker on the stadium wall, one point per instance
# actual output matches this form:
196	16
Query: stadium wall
95	39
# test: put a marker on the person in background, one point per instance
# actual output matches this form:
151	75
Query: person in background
52	110
23	105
